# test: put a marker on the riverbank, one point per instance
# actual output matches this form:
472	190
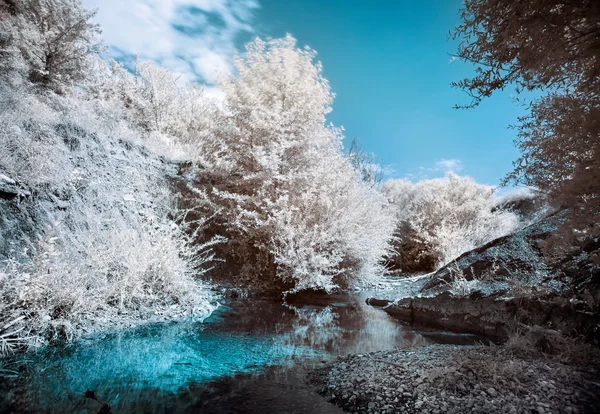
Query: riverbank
450	379
508	285
543	308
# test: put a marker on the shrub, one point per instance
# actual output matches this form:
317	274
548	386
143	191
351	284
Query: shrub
108	251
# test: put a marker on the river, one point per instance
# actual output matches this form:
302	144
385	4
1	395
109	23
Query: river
250	355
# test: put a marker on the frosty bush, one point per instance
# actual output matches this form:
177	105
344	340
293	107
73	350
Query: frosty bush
109	254
291	204
172	117
440	219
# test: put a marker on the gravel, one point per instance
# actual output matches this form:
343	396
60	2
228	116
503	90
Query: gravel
449	379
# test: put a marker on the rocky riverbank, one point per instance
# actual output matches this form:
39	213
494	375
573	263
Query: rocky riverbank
510	284
449	379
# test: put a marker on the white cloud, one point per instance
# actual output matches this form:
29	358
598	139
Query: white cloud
454	165
194	38
440	168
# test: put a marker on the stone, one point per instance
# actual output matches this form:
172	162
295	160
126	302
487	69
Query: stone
8	187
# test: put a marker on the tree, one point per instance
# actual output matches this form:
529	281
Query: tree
54	38
549	46
289	201
440	219
364	163
533	45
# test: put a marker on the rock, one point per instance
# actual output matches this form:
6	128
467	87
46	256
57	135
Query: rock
60	204
4	179
492	392
515	255
452	392
377	302
489	311
8	187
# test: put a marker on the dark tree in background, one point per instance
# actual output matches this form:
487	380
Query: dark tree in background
553	47
370	172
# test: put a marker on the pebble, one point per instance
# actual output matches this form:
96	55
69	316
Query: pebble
530	385
492	392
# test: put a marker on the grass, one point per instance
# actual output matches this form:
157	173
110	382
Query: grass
527	341
460	285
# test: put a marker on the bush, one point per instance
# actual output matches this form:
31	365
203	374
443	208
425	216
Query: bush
106	248
174	116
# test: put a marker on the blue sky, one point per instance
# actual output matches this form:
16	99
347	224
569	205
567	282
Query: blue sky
387	61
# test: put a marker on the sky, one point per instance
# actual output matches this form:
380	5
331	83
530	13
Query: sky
388	62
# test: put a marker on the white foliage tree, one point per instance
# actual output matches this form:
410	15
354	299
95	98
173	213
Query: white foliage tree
52	39
293	205
447	216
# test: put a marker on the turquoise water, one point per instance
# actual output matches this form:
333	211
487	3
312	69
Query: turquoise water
250	356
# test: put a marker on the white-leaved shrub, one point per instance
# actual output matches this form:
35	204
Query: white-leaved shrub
111	251
173	117
439	219
94	239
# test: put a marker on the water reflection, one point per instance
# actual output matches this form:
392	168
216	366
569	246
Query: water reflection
211	366
349	327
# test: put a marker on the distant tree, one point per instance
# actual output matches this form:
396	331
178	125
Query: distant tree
53	37
550	46
442	218
370	172
158	91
